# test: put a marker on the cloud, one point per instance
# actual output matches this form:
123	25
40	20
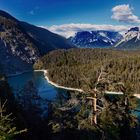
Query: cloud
124	13
68	30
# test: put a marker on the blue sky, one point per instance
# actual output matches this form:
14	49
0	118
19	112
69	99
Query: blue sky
48	13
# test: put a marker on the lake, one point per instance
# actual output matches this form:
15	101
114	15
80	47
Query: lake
45	90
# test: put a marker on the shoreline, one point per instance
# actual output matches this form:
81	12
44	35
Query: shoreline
76	89
63	87
55	84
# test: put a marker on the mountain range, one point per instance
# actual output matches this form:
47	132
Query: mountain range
107	39
95	39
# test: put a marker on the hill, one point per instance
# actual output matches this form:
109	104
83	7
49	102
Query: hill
77	67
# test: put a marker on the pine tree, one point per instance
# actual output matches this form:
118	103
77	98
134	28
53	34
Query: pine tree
7	129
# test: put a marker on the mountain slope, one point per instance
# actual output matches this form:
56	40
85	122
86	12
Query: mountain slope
131	40
46	40
21	44
17	51
95	39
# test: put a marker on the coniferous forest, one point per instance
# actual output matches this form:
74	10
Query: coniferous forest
77	67
95	71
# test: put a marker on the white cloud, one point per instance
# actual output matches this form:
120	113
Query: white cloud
124	13
68	30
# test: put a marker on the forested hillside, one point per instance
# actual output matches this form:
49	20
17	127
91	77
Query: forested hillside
92	113
77	67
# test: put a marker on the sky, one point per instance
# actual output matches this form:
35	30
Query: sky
66	17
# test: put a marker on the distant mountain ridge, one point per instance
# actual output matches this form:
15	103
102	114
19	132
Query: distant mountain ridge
95	39
131	39
21	44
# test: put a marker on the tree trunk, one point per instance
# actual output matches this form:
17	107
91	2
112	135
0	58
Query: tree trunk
94	117
94	109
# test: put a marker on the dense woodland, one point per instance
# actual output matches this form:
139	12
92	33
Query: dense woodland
77	67
80	68
69	118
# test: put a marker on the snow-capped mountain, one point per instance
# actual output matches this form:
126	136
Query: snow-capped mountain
95	39
131	39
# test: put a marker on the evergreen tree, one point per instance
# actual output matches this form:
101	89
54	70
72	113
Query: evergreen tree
7	129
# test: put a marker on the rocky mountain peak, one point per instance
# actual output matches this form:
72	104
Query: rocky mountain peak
134	29
131	39
99	38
